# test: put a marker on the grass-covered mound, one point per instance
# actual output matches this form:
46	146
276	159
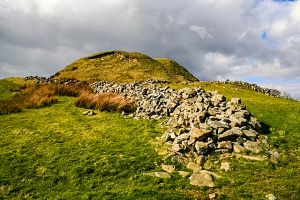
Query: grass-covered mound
122	67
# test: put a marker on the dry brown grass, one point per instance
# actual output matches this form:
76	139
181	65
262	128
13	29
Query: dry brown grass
10	106
110	102
36	96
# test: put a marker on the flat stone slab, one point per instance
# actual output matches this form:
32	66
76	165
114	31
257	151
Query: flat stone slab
184	173
168	168
225	166
201	179
163	175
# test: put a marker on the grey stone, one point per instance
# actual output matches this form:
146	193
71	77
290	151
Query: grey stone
217	124
163	175
251	134
182	137
237	148
236	100
193	166
168	168
271	197
201	147
184	173
201	179
225	145
176	148
199	134
213	196
217	99
225	166
252	146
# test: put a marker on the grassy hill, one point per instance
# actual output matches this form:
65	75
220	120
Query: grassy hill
120	66
56	152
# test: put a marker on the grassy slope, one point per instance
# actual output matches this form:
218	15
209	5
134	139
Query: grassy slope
10	85
119	66
58	152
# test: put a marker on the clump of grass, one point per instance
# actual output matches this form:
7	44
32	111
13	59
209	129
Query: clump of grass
36	96
110	102
10	106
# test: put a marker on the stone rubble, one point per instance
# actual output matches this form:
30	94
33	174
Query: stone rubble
254	87
199	122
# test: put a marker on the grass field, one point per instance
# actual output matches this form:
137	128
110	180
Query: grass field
57	153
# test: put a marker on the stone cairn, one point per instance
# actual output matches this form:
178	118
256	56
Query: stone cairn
199	122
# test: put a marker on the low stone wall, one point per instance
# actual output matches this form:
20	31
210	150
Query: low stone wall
254	87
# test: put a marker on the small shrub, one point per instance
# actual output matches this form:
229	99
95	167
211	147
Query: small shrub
105	102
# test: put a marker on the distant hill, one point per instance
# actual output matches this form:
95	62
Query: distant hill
121	66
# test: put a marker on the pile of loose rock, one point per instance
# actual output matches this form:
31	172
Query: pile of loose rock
199	123
45	80
254	87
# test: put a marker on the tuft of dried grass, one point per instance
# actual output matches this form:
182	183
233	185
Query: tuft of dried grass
10	106
36	96
110	102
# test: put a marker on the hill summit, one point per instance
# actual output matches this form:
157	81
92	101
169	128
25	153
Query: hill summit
122	67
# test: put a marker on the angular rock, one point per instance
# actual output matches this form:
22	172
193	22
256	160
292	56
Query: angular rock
225	145
199	134
201	147
251	134
271	197
217	124
213	196
253	146
176	148
236	100
217	99
181	138
193	166
237	148
168	168
201	179
225	166
184	173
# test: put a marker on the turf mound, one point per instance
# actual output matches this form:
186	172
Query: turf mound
124	67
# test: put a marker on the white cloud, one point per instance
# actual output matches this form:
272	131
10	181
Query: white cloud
215	39
202	31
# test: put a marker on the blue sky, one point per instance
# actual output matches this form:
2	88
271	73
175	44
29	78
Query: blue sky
254	40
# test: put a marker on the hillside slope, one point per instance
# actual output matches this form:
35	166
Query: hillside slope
120	66
56	152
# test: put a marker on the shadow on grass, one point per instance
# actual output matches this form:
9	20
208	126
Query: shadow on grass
265	128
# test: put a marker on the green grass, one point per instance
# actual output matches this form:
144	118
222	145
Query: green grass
9	86
120	66
56	152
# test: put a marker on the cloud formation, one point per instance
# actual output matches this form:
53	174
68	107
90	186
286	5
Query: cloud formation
214	39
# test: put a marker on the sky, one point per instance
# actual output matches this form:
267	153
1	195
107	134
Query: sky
257	41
